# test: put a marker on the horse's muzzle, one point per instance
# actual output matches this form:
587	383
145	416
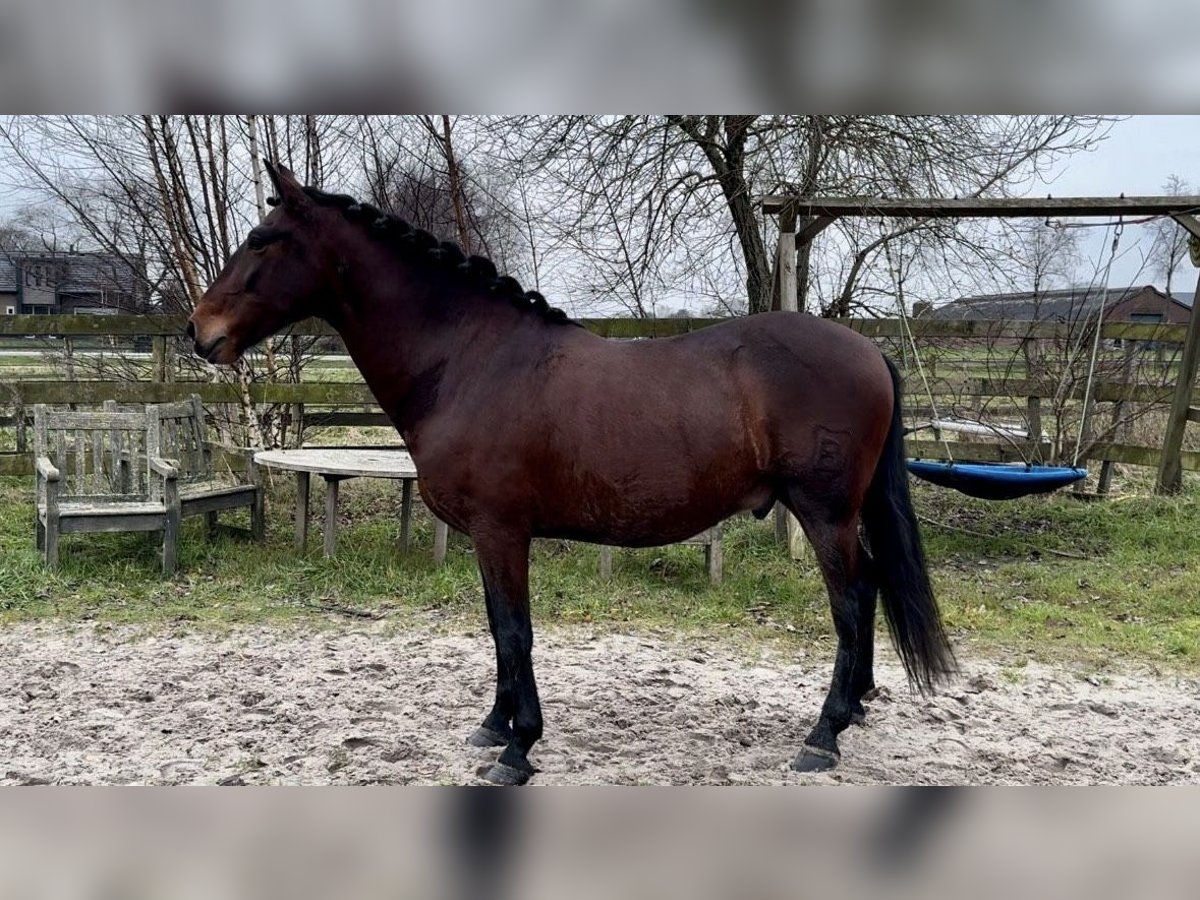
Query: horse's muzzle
210	351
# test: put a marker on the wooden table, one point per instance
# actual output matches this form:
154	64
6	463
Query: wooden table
335	465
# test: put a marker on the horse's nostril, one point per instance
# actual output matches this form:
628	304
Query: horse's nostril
191	330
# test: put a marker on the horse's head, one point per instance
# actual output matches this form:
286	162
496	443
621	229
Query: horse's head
278	276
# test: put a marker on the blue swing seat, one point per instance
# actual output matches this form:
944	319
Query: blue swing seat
996	481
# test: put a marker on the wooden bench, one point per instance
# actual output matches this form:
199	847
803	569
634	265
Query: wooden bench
129	470
710	540
94	473
177	433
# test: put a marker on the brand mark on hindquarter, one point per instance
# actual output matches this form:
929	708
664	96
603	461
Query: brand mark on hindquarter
829	449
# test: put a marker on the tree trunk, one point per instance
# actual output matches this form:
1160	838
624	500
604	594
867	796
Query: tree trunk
256	167
456	192
728	162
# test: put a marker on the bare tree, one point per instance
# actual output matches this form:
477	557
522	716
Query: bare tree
15	236
1170	244
423	169
176	192
694	181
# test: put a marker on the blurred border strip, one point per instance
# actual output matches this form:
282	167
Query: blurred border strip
598	842
538	55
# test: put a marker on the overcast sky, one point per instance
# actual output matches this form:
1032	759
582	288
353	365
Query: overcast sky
1136	159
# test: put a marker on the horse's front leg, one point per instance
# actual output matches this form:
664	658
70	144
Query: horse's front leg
496	730
504	564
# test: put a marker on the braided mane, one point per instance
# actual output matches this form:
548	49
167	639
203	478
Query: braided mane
419	246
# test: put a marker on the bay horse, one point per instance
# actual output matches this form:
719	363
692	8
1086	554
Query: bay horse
523	425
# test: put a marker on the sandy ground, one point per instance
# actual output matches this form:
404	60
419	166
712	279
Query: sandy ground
389	704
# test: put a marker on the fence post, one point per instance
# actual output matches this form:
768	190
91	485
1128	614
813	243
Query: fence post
19	421
298	412
787	529
1033	403
1086	430
1170	470
158	359
296	350
1119	427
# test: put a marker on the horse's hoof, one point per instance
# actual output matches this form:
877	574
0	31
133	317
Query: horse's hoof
507	776
486	737
814	759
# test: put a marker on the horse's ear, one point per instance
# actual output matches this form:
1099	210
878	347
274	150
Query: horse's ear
287	188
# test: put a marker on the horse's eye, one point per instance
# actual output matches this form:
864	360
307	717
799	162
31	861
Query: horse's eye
257	241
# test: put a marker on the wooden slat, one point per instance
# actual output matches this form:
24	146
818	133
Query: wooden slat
1104	391
139	326
112	523
119	326
342	419
358	394
71	419
80	447
976	329
21	464
1143	456
171	448
91	325
16	464
60	444
194	506
645	328
98	474
176	409
974	452
96	392
174	326
978	207
139	471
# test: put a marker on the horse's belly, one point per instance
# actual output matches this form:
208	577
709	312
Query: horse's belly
645	518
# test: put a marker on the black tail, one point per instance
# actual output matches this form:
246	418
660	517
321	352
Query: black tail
891	526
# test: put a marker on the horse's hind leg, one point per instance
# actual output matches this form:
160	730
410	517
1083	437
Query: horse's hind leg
851	593
862	678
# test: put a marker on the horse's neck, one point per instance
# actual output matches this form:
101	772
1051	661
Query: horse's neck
405	354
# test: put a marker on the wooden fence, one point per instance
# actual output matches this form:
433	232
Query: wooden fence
326	403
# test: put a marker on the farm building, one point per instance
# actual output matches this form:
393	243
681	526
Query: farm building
1142	304
40	282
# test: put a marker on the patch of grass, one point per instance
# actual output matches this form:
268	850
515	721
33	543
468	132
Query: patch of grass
1132	598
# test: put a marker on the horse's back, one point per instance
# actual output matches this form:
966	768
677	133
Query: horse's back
789	363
